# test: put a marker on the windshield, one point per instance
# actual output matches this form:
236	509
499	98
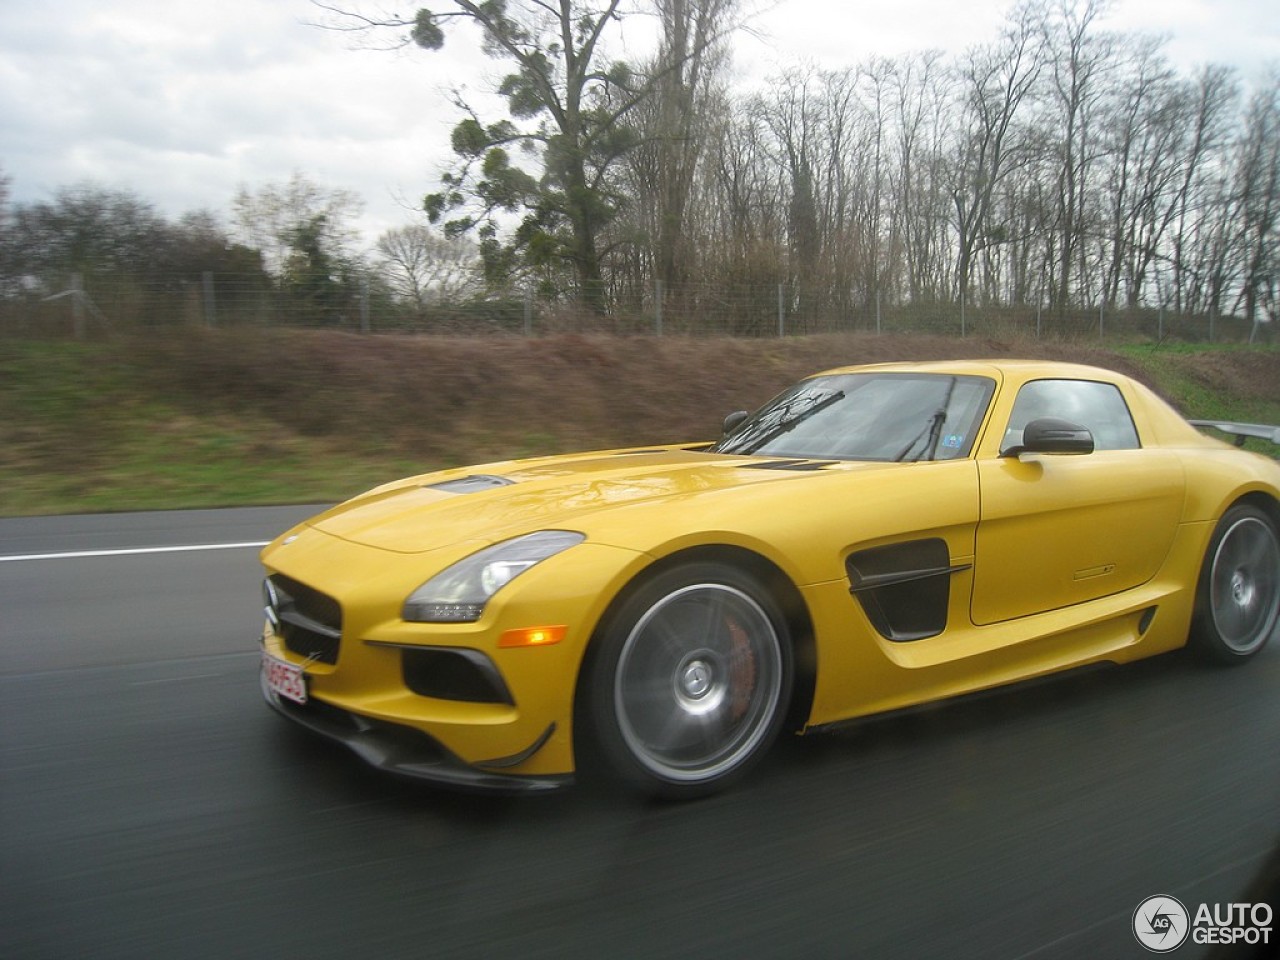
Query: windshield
867	416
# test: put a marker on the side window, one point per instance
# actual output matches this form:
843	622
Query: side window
1098	406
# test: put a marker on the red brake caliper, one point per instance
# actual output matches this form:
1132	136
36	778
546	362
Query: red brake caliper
742	671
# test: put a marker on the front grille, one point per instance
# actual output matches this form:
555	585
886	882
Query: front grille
309	622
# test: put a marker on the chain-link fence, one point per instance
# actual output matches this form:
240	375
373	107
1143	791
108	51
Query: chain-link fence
90	306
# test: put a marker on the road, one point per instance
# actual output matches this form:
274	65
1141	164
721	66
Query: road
151	805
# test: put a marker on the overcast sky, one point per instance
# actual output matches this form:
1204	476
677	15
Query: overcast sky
181	103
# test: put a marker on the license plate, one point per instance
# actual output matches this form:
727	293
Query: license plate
284	679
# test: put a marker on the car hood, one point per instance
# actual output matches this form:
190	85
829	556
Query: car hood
496	501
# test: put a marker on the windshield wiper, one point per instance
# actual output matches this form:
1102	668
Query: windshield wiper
932	433
752	445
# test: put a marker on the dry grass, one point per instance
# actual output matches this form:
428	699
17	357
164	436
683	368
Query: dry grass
468	397
210	417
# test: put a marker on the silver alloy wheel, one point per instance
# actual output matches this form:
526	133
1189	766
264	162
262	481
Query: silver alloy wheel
1244	585
698	682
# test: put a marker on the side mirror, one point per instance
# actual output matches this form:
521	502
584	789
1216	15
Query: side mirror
734	420
1051	435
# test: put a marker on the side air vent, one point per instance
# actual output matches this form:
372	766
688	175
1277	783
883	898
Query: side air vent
1144	622
904	588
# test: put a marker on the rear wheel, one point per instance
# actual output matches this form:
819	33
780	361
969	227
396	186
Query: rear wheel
690	683
1238	596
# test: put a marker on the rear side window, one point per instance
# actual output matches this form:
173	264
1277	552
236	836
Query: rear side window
1098	406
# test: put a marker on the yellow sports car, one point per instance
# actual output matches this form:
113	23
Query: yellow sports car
873	538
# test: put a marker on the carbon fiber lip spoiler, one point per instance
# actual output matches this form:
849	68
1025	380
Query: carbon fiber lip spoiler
1241	431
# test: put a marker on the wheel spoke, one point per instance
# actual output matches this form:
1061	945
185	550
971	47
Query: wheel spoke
671	734
1250	549
666	630
652	694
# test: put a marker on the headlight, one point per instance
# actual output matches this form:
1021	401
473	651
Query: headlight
458	594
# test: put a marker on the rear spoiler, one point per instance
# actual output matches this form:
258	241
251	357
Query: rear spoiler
1241	431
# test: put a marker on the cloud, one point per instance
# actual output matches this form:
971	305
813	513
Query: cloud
182	103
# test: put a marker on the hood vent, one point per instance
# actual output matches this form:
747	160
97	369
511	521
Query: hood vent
802	465
472	484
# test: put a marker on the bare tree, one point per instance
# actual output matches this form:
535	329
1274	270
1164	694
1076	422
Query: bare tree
1079	58
1144	134
919	210
997	83
791	115
422	266
686	69
275	216
741	223
1214	94
1258	192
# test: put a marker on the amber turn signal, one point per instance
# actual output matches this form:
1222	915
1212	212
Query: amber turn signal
532	637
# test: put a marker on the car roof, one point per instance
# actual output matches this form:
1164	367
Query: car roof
998	369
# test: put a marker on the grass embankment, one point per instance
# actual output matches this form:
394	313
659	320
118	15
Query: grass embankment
219	418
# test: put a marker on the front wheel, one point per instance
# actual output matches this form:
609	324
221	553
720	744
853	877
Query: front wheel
1238	596
690	682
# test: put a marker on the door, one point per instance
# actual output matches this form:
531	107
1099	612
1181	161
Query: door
1057	530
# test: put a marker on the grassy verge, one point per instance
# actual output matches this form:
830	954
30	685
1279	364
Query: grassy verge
222	418
84	429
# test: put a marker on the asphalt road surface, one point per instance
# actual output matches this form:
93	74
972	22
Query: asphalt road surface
152	806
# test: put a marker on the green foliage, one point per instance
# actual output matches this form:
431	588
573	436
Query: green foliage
575	125
88	229
426	33
526	91
469	138
97	236
305	233
311	277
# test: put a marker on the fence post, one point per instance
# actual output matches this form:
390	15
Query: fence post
657	308
210	299
77	305
781	317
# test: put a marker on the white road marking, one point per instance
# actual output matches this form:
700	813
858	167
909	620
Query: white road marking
132	551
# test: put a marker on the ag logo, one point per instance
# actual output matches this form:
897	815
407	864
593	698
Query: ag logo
1161	924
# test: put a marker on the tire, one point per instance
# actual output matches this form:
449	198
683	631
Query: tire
1238	595
689	681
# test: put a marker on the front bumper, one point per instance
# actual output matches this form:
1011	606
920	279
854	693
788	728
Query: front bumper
445	702
408	752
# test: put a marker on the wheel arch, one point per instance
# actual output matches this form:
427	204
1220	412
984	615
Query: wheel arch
781	589
1264	501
